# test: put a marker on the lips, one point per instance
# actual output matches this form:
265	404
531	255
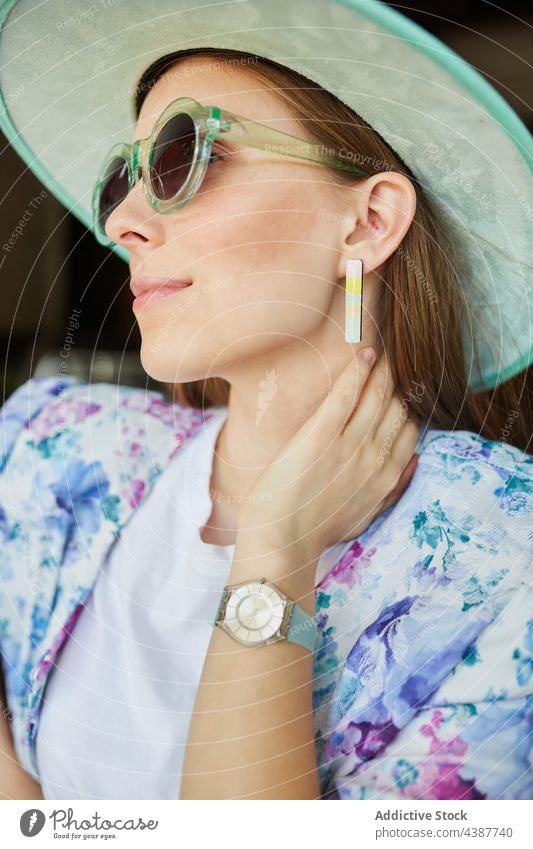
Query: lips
141	285
149	291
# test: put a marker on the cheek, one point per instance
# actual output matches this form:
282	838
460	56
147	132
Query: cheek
269	243
263	272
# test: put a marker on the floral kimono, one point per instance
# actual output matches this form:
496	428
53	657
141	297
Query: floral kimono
423	685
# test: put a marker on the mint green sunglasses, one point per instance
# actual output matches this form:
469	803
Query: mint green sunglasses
174	158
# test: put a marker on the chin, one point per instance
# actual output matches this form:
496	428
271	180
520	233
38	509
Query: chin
166	368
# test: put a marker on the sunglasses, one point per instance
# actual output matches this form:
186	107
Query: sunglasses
174	158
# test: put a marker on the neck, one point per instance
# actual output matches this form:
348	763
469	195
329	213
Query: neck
270	399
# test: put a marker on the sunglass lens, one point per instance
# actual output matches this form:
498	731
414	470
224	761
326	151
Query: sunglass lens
114	188
173	156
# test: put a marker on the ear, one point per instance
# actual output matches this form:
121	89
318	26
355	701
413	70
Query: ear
384	208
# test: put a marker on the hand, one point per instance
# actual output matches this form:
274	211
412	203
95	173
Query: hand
350	461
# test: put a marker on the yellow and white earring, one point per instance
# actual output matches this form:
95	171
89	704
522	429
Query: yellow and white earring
353	300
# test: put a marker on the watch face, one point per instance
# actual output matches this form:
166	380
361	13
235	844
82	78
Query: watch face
254	612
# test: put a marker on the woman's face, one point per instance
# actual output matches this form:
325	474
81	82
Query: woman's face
259	241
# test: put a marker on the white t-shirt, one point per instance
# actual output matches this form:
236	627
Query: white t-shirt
118	704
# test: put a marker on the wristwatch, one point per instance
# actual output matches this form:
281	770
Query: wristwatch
256	613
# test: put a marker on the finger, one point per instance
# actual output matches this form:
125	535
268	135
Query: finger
392	420
404	480
330	416
406	440
375	399
345	396
398	447
328	419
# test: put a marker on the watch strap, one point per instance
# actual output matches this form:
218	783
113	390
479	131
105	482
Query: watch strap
302	629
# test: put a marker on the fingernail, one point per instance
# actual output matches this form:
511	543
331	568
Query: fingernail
368	355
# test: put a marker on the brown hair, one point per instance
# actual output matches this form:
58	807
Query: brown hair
424	342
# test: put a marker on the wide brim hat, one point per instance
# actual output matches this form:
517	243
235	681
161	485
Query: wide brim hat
69	74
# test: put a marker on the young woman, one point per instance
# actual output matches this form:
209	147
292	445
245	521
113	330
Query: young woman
284	468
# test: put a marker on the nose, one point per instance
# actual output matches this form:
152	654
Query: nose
134	224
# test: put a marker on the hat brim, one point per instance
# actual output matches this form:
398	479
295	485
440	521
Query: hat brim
68	79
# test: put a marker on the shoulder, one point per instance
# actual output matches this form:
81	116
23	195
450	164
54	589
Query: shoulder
474	517
434	641
465	449
44	413
71	449
76	460
20	408
484	483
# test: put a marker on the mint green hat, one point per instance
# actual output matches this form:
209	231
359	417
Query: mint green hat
68	78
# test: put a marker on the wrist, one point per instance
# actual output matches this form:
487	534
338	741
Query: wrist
280	542
288	569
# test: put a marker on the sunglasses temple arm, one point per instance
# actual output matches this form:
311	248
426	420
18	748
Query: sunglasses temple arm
259	136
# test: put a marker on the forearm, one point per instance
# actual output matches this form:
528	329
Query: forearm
252	729
15	783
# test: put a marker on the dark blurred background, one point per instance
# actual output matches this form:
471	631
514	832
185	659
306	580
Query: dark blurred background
58	266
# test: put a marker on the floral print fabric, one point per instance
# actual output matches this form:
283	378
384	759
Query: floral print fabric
423	677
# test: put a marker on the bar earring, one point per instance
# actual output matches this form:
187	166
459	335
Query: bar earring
353	300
